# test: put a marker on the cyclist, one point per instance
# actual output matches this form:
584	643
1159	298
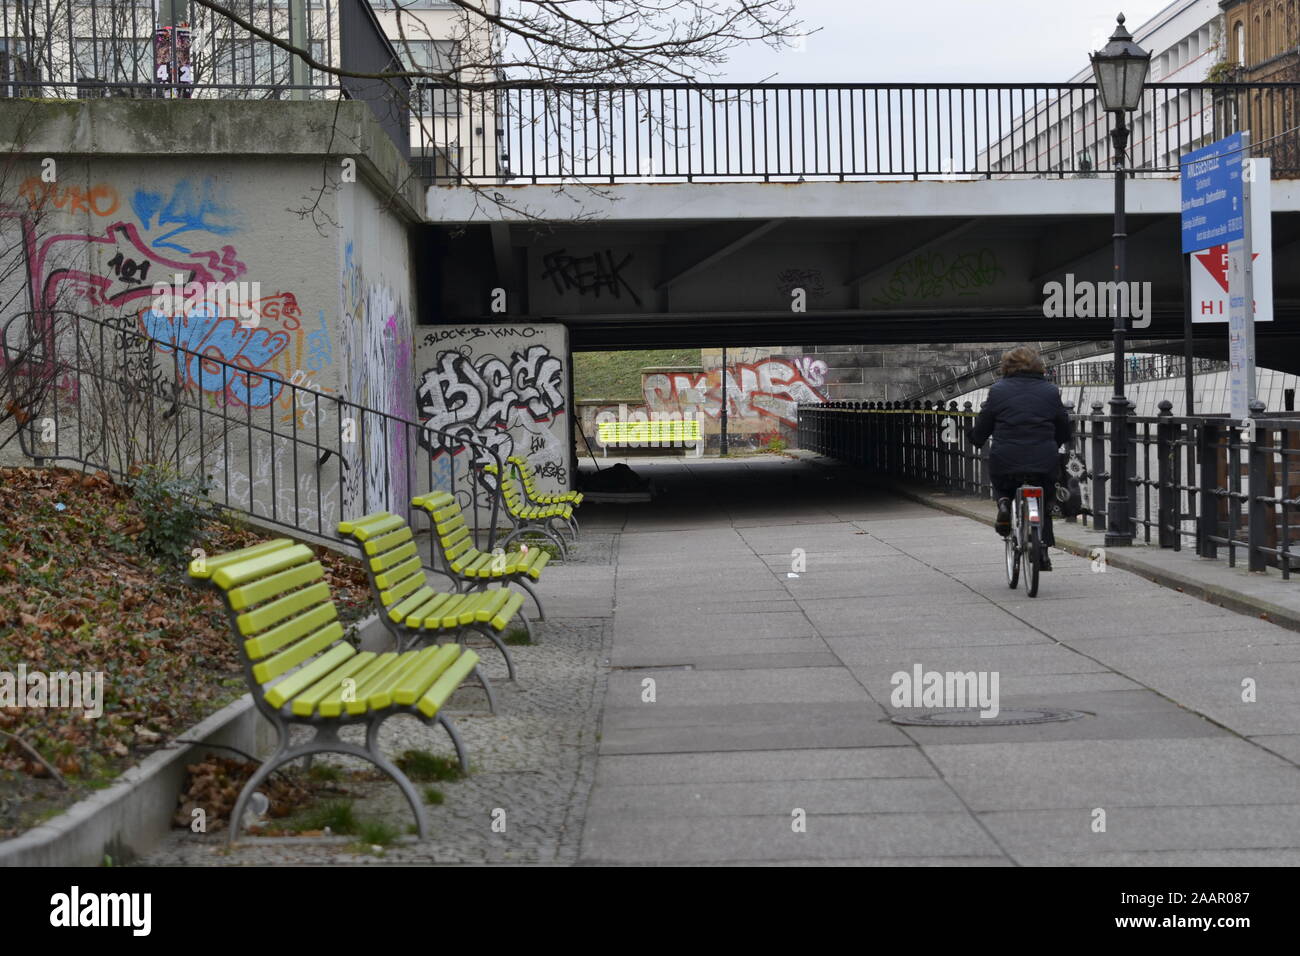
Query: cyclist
1029	423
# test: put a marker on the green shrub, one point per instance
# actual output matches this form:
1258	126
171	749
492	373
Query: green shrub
173	509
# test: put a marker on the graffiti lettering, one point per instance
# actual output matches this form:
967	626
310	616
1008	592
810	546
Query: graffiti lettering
595	273
772	388
475	399
99	200
931	275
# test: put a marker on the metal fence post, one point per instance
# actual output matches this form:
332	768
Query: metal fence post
1096	458
1208	503
1166	497
1258	489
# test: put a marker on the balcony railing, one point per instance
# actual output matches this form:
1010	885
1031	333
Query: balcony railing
86	49
789	132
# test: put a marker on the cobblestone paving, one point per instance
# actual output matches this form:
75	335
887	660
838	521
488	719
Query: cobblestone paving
534	760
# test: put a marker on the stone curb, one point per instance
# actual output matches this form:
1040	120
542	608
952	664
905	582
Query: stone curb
127	819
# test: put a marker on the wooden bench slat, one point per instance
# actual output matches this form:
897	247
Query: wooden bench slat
270	641
232	574
375	678
384	561
204	568
390	540
371	525
390	579
304	677
263	616
445	685
305	703
401	590
249	594
331	705
419	679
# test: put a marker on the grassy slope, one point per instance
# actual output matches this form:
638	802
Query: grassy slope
617	375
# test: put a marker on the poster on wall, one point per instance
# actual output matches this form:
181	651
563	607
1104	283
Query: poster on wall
172	65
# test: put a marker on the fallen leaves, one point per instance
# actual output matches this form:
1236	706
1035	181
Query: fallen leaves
77	595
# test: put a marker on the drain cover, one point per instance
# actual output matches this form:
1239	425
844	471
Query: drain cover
970	717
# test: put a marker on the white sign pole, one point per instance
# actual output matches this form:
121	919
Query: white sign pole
1241	305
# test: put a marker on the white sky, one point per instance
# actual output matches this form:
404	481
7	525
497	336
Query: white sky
949	41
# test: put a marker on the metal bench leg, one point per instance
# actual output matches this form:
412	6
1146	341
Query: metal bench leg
541	613
487	688
283	754
373	754
501	646
448	726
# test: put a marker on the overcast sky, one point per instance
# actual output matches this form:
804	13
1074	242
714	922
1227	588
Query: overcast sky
951	41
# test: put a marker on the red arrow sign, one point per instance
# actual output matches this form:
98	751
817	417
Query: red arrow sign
1215	261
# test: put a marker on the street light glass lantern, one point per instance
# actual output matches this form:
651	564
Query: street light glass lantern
1121	71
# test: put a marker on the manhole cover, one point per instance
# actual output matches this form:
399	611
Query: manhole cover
970	717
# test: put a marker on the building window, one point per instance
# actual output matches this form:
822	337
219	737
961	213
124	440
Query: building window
1240	33
434	56
112	60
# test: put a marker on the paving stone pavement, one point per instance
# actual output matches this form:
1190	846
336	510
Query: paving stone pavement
534	759
772	601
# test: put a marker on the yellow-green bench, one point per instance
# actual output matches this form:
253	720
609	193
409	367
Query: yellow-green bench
657	433
530	518
409	608
301	671
465	562
526	476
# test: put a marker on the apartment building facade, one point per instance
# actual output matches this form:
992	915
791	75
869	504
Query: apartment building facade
1067	130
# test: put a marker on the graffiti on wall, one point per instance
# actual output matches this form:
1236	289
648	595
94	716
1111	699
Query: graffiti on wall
483	398
933	275
103	249
377	355
770	388
597	274
111	268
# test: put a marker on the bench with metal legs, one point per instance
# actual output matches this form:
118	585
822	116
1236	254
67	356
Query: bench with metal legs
410	609
302	672
461	558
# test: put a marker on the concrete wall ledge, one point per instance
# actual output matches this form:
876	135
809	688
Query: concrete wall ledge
129	818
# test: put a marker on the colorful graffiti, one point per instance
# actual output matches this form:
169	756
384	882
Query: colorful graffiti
488	397
771	388
113	272
378	356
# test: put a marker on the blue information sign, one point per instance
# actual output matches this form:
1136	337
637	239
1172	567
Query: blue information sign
1213	212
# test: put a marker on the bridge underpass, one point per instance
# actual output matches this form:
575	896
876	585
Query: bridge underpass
676	264
772	601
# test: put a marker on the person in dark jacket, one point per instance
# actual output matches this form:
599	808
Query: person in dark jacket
1028	423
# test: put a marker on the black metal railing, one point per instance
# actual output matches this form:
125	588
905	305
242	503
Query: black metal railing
1197	479
674	131
1139	368
101	394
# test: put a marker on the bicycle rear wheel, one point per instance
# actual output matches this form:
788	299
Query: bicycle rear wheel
1033	555
1013	561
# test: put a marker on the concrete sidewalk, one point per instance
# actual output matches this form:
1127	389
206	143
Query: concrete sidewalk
771	692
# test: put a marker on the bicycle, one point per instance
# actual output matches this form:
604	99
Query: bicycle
1026	537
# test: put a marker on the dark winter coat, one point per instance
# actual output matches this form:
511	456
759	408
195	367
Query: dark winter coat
1028	422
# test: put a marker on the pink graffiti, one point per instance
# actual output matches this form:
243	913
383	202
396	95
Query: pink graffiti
771	388
114	285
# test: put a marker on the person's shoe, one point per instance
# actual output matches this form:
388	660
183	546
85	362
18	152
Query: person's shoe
1003	524
1046	563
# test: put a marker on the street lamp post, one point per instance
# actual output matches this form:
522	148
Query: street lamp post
1121	72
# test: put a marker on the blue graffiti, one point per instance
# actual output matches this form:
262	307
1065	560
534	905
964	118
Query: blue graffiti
189	208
